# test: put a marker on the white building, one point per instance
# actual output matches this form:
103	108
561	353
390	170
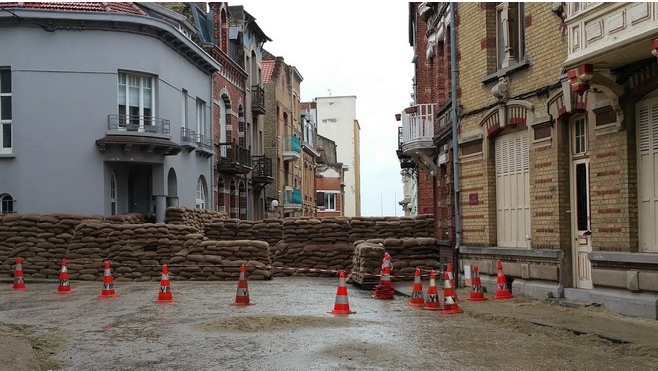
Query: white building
336	119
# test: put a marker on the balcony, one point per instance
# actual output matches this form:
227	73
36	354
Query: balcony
234	159
417	134
144	136
257	100
188	139
292	199
406	162
596	29
292	148
137	125
261	175
204	145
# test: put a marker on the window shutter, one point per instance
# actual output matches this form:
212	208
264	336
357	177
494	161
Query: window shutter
644	130
319	199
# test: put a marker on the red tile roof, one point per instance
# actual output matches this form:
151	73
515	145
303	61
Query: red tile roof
268	67
123	8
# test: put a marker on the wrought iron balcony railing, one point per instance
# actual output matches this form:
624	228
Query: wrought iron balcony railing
204	141
262	167
257	100
234	158
137	124
187	137
292	197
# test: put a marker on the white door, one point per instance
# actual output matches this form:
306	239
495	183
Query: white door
647	119
512	190
580	203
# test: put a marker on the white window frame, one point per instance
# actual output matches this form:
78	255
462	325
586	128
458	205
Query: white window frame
330	201
201	117
6	122
184	108
200	194
512	34
144	94
6	199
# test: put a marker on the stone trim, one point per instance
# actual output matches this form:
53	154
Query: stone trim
517	252
614	257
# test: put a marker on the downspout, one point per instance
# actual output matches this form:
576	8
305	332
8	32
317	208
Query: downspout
455	139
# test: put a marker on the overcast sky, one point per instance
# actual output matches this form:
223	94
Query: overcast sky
356	48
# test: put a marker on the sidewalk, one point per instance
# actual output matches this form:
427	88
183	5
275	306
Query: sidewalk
561	314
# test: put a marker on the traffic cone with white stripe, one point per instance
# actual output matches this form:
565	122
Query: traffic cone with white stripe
342	304
385	290
19	282
452	279
449	303
476	290
502	292
432	294
417	296
64	286
108	283
242	295
165	295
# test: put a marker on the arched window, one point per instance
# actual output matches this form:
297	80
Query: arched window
113	194
200	194
6	204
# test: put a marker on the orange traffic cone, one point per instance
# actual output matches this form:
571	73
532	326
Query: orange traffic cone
432	294
385	290
449	303
165	295
242	295
342	304
64	286
476	288
19	283
502	292
452	279
417	298
108	285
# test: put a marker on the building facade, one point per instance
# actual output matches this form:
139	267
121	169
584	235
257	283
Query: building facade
555	113
283	136
112	138
310	155
336	119
329	180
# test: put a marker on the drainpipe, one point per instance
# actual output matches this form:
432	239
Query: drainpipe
455	139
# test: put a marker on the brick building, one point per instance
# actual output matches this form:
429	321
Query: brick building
556	110
329	180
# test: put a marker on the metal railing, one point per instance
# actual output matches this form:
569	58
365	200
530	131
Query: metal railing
257	99
234	153
138	124
204	141
187	135
262	166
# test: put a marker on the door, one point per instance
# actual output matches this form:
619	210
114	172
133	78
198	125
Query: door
647	121
580	204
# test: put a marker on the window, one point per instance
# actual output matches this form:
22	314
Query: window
113	194
200	117
184	108
136	97
6	204
200	194
330	201
510	34
5	111
580	137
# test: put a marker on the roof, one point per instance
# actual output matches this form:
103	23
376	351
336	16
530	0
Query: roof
268	68
123	8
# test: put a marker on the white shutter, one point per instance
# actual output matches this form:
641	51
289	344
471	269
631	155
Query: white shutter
647	122
512	190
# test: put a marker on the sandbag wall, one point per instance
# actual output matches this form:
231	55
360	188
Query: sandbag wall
367	262
211	260
268	230
407	254
197	218
310	243
365	228
41	241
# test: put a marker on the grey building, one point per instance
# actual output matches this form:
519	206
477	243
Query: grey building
97	103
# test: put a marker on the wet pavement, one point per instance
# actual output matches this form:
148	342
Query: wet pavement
288	327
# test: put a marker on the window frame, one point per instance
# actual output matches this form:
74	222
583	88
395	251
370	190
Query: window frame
142	118
7	121
513	34
114	210
330	201
200	199
6	199
200	117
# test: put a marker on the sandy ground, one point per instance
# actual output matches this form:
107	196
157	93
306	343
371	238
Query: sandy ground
288	328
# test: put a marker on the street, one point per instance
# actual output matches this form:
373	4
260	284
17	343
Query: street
288	327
